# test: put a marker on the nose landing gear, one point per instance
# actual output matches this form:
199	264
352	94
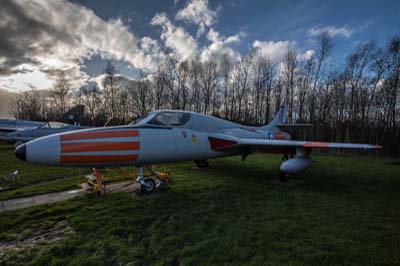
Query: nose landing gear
151	181
148	185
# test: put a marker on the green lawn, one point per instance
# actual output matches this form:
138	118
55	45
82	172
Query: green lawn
33	179
347	212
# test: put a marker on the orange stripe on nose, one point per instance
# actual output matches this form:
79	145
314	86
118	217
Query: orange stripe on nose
100	134
98	158
99	146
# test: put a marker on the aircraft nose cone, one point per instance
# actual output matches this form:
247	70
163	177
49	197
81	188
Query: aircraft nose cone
20	152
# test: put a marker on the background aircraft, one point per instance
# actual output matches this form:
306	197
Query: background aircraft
22	130
9	125
72	116
49	128
169	136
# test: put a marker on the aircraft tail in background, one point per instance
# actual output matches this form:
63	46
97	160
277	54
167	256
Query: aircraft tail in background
73	116
279	121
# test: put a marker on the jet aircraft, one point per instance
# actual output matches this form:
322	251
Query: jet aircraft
72	116
23	131
170	136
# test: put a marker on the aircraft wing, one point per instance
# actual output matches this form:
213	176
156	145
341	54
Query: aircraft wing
295	125
223	142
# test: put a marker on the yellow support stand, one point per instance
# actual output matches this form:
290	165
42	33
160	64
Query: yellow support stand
97	180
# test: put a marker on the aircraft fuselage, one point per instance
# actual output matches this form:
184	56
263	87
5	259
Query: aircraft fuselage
119	146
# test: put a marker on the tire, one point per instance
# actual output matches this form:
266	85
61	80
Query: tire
149	187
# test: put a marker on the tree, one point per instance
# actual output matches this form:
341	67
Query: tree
109	88
60	93
27	106
324	48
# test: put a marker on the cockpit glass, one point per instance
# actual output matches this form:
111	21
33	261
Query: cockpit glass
170	119
45	126
140	120
57	125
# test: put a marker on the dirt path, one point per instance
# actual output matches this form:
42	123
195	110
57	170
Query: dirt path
19	203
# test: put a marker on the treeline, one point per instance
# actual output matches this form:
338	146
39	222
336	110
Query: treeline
355	100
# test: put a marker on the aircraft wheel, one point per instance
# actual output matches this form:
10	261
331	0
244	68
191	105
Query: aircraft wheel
149	185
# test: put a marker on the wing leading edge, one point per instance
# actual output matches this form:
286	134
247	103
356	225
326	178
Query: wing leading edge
223	142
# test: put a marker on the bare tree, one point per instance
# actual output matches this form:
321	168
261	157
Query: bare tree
324	48
27	106
208	83
60	93
290	66
109	88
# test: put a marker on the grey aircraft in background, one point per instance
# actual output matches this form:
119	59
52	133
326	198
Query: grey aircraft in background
19	131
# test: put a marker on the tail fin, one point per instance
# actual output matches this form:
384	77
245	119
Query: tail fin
73	116
280	118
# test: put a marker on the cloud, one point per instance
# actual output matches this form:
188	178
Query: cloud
332	31
183	45
273	50
198	12
276	51
221	46
306	55
50	35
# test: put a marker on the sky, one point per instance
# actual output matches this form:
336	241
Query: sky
39	37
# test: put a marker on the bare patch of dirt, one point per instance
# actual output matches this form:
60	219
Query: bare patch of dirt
47	234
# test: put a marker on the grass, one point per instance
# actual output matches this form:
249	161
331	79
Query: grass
33	179
345	213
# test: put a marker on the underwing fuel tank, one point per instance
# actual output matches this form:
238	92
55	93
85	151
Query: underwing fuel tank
296	165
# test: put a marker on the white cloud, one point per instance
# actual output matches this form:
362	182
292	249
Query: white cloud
332	31
273	50
220	46
60	34
28	77
183	45
198	12
306	55
276	51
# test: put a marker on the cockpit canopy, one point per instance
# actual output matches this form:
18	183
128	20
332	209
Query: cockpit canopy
183	119
54	125
165	119
170	119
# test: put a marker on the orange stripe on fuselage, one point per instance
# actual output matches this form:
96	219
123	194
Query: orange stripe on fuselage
98	158
99	134
316	145
99	146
